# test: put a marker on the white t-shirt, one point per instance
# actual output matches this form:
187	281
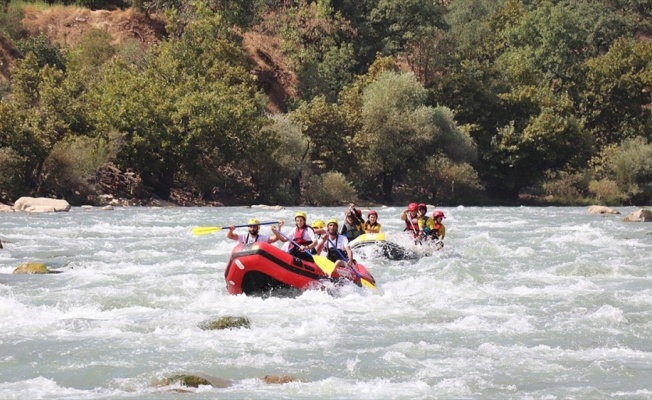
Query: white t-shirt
308	235
249	238
340	242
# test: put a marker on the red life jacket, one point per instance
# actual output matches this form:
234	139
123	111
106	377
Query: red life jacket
437	228
413	226
298	236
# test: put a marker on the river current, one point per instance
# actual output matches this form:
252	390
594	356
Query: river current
522	303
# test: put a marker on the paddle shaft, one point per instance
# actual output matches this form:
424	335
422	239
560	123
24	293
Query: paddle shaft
242	226
293	242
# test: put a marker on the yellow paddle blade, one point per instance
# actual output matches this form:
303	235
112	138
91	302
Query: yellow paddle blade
205	230
324	263
369	285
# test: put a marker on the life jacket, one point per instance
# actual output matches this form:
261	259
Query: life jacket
369	225
298	236
414	226
331	252
435	232
351	231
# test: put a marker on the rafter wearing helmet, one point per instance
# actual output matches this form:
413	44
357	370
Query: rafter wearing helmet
409	215
303	235
372	225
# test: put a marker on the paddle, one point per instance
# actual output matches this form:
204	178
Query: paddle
363	281
205	230
413	230
322	262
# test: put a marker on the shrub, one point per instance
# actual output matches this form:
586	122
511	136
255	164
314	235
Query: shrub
46	53
330	189
606	190
11	23
70	167
94	48
12	179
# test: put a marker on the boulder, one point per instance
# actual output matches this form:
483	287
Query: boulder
267	207
41	204
31	268
279	379
641	215
225	323
602	210
6	208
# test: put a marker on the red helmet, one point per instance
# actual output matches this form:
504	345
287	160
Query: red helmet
412	207
372	212
438	214
422	205
358	213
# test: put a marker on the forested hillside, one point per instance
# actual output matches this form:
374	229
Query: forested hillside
322	102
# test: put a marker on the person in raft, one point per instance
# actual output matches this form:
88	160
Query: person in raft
409	215
433	229
331	241
319	227
372	225
303	235
253	235
353	223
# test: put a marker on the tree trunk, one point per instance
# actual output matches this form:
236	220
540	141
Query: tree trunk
388	185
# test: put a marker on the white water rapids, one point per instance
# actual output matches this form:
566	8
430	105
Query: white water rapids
540	303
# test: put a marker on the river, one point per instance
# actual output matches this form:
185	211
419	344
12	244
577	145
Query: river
523	302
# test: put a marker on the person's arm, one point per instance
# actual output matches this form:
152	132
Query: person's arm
442	232
349	255
320	243
230	234
277	236
404	214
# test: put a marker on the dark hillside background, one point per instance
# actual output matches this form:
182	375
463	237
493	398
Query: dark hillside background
327	102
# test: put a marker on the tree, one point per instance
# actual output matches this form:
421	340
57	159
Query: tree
399	132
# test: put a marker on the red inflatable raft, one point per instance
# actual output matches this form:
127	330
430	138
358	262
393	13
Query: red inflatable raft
260	268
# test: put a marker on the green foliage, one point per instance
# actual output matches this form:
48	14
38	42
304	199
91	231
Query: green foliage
398	22
94	49
194	108
330	189
46	53
290	157
12	174
11	16
400	133
314	38
132	51
564	187
330	132
631	167
606	191
615	94
70	167
443	180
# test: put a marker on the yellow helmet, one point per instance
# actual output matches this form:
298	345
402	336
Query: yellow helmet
301	214
332	221
253	221
318	224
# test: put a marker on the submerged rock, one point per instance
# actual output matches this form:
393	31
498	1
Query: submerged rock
225	323
32	268
279	379
195	381
641	215
602	210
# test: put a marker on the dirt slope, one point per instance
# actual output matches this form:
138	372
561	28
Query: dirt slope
66	25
